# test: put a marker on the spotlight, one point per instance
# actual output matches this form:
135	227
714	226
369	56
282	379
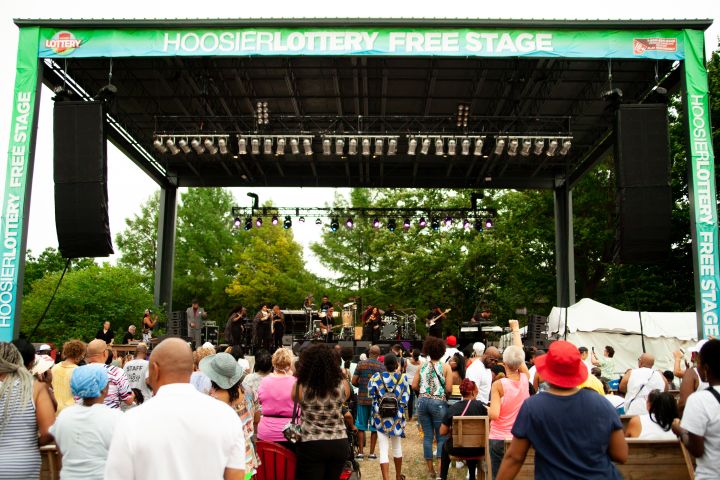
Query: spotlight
392	146
255	146
365	147
287	223
478	147
412	146
326	147
435	224
301	219
258	222
525	151
242	146
512	147
451	146
391	225
478	225
376	222
248	223
422	223
210	147
339	146
552	146
565	147
439	147
448	221
222	146
307	145
171	146
182	143
195	144
379	147
334	225
274	220
237	222
499	146
489	223
425	146
280	147
406	224
352	148
466	224
349	222
267	149
294	146
465	147
318	221
158	144
539	145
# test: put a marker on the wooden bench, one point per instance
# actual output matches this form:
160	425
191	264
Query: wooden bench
647	460
51	463
473	432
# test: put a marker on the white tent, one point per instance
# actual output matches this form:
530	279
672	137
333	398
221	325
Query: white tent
593	324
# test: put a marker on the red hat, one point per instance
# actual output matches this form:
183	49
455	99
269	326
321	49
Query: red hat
451	341
562	365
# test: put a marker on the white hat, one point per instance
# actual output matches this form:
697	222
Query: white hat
208	345
696	348
478	348
44	347
42	364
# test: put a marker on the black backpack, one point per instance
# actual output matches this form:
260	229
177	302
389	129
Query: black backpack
389	404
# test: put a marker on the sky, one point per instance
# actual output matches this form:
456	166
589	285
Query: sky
128	187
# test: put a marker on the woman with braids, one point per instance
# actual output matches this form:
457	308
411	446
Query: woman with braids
25	410
656	424
320	391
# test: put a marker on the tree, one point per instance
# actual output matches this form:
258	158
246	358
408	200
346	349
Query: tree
138	242
48	261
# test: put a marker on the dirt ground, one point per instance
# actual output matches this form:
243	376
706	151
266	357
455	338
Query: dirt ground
413	463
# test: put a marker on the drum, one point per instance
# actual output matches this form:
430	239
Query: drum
347	318
389	331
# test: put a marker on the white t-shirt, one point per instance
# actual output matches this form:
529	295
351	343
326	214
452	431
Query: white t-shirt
531	372
83	435
642	381
702	417
136	371
653	431
482	378
449	352
244	364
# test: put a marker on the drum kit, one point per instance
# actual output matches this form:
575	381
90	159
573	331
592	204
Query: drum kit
397	325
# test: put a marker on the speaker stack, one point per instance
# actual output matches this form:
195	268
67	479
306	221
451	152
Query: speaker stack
537	332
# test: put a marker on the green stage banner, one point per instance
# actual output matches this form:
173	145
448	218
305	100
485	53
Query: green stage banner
654	44
18	179
702	188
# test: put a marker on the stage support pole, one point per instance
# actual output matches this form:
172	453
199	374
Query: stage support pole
564	246
165	261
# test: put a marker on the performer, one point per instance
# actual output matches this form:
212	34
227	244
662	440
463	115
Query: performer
371	324
235	326
149	321
278	326
195	317
325	304
106	333
309	303
326	324
263	329
434	321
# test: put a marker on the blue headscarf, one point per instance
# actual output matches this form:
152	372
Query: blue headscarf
88	381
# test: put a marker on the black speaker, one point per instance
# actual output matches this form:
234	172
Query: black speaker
643	193
80	173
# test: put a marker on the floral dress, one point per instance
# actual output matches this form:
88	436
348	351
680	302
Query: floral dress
246	413
379	385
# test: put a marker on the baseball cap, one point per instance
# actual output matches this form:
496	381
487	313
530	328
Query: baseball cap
44	347
451	341
696	348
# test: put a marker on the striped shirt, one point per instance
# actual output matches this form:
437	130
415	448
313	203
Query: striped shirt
119	386
19	452
364	371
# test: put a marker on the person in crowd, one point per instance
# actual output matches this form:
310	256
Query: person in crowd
606	363
83	432
226	377
434	383
119	387
73	352
363	421
320	392
657	423
149	322
533	369
238	353
41	371
478	350
198	437
27	352
196	316
585	355
450	348
235	326
699	429
691	381
274	396
617	402
251	382
45	349
411	369
348	367
593	382
549	423
469	406
670	376
397	350
26	414
278	326
637	383
390	429
136	371
105	333
198	379
457	366
492	359
479	374
129	336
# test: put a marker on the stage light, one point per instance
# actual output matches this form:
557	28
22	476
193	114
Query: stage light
334	225
183	144
339	146
392	146
439	147
565	147
352	147
287	223
478	147
376	222
307	145
499	146
280	147
406	224
489	223
255	146
539	145
248	223
158	144
258	222
435	224
465	147
326	146
552	147
222	146
294	146
466	224
195	144
412	146
171	146
365	147
237	222
448	221
301	219
267	149
422	223
391	225
513	147
452	144
425	146
349	222
210	146
318	221
478	225
274	220
379	146
242	146
525	150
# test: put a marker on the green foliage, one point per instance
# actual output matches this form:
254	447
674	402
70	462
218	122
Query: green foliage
49	260
138	242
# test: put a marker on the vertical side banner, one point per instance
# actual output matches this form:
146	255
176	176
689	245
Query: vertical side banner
18	182
703	205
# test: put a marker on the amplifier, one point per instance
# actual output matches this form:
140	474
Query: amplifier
210	334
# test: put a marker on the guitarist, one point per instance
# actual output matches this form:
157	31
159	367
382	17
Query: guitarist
326	324
371	324
434	321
